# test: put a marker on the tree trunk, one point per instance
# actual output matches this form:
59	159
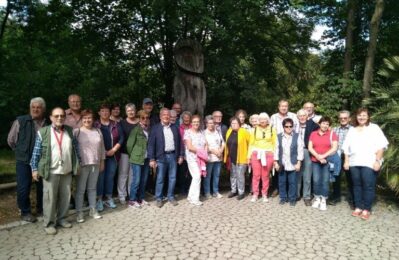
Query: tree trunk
350	20
369	66
3	24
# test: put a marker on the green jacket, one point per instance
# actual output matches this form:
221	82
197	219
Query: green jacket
136	146
45	158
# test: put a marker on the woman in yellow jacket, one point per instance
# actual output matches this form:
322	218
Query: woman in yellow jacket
260	155
236	150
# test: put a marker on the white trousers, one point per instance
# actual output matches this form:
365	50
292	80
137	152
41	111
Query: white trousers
194	191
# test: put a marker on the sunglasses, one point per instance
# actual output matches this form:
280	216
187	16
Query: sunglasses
59	116
288	126
145	117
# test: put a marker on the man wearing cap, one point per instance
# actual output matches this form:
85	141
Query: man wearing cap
148	106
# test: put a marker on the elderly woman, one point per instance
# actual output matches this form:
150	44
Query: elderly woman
235	152
215	143
254	121
194	140
241	114
364	147
260	155
92	155
137	149
113	140
322	143
183	175
124	169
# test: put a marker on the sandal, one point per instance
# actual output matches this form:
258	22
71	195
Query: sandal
357	212
365	215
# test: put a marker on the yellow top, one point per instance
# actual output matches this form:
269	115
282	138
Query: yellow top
262	139
242	146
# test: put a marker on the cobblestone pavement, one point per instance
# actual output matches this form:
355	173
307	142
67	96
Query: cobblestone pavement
220	229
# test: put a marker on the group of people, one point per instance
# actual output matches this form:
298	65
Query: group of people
295	155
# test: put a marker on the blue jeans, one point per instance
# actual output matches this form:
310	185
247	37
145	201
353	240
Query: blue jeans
24	183
305	174
212	173
168	164
364	180
140	176
321	177
105	184
292	185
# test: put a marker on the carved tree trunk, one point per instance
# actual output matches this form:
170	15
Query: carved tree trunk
5	19
369	66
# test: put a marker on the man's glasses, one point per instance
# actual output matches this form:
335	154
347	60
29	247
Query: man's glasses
59	116
288	126
343	118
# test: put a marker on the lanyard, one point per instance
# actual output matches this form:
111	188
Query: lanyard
59	140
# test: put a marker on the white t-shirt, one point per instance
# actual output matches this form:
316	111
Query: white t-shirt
197	140
214	141
361	146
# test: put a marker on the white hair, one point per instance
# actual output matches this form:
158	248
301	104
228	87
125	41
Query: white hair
130	105
39	100
302	112
264	115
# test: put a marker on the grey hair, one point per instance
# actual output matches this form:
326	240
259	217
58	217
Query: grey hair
302	111
173	112
186	113
39	100
207	118
345	112
130	105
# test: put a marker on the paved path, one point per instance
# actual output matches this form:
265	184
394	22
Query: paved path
220	229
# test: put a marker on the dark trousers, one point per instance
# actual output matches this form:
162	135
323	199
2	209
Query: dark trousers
364	181
183	178
24	183
336	186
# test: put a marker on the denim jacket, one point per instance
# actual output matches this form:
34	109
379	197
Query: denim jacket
334	167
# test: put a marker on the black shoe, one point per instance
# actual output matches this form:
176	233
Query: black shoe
292	203
282	202
28	218
274	193
231	194
332	202
159	204
308	202
173	202
240	197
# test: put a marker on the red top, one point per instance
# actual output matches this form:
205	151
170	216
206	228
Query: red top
321	143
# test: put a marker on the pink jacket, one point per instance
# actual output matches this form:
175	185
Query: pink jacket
202	158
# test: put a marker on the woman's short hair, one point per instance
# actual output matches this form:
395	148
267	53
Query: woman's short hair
288	120
264	115
87	112
241	111
302	112
115	105
142	113
236	119
208	118
130	105
325	119
105	106
358	112
196	117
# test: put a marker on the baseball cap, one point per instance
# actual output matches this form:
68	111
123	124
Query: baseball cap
147	100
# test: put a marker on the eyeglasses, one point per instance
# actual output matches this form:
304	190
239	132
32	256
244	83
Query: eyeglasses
59	116
342	118
144	117
288	126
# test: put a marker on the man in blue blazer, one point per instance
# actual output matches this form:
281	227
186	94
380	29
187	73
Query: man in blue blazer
164	152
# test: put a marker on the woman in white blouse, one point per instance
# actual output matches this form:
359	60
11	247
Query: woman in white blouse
364	147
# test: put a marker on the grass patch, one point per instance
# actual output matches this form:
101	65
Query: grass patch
7	166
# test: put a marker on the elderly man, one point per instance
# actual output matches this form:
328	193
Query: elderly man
309	107
164	151
276	120
73	117
55	159
177	108
148	107
341	131
21	139
306	127
219	126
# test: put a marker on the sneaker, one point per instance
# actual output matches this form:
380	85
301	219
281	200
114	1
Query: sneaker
323	204
240	197
80	218
196	203
208	196
134	204
50	230
254	198
282	202
173	202
218	195
231	194
159	203
65	224
110	203
28	218
308	202
100	205
316	203
365	215
122	201
265	199
144	203
164	198
94	213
